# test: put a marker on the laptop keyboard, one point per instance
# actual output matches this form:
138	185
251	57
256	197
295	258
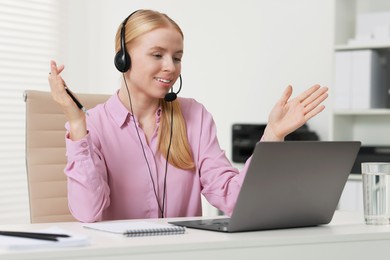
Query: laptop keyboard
223	222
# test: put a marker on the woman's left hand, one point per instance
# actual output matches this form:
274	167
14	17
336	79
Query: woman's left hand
288	115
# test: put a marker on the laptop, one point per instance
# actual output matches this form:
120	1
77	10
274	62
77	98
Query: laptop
288	184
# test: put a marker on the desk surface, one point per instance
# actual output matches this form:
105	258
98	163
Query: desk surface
346	236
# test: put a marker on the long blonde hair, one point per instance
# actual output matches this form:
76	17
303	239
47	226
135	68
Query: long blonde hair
139	23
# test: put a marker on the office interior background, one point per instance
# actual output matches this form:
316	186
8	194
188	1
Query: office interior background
239	56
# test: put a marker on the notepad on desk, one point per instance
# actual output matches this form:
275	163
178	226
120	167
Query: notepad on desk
137	228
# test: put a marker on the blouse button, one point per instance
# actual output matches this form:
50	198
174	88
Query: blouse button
84	144
85	152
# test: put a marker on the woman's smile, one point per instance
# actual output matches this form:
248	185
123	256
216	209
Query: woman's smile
164	82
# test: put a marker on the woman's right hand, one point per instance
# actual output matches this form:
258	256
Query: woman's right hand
73	114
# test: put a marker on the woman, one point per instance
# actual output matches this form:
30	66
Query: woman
140	156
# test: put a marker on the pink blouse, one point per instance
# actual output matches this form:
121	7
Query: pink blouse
108	177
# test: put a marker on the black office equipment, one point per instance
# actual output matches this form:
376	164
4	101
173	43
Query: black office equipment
371	154
245	137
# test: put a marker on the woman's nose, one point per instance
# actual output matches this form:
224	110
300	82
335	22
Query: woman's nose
169	64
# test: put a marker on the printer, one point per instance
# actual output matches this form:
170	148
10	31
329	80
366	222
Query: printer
245	137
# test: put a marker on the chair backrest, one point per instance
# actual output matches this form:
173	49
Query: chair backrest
45	155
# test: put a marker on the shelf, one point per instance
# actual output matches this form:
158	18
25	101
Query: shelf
362	112
362	47
355	177
347	14
369	127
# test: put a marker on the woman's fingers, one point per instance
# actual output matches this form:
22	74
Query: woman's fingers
55	79
316	101
286	95
314	112
307	93
54	69
313	96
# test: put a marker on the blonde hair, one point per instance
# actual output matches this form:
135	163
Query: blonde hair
180	155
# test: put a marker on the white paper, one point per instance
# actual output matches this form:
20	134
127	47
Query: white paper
19	243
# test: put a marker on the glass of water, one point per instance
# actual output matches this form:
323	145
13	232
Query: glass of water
376	192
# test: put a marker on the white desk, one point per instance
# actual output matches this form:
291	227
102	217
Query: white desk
346	237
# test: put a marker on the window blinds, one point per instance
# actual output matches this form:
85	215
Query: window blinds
29	33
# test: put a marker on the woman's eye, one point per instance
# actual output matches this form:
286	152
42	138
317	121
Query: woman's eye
177	59
157	55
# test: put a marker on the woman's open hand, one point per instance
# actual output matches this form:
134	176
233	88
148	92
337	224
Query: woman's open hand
288	115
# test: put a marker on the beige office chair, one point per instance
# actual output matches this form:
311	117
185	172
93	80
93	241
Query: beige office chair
45	155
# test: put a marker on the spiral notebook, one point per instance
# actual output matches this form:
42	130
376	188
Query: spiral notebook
137	228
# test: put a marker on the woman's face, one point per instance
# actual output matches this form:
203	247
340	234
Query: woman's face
155	62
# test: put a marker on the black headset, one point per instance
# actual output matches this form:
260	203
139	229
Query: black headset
122	60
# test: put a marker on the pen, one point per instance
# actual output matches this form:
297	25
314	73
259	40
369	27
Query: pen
79	105
33	235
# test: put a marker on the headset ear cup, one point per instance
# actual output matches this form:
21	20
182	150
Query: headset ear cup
122	61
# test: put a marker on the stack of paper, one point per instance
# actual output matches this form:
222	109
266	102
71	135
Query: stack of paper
17	243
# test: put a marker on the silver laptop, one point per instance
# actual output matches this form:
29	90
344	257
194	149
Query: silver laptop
288	184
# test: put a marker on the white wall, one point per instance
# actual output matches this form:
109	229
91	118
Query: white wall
239	55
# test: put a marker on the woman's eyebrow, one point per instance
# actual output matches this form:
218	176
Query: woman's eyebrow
158	48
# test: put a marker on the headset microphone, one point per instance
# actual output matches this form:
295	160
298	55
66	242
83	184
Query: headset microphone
171	96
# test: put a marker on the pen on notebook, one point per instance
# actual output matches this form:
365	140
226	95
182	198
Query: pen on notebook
79	105
33	235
